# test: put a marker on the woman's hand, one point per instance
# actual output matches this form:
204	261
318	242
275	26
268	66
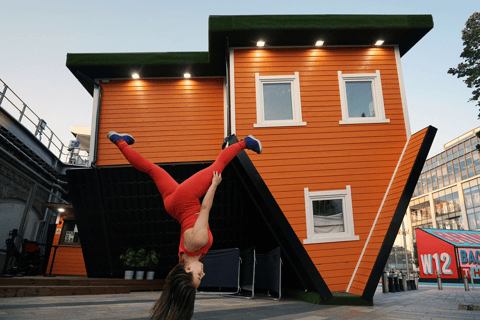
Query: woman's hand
217	178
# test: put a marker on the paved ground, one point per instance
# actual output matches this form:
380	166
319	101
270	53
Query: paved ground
425	303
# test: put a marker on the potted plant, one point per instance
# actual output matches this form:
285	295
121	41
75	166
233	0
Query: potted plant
142	260
129	261
152	264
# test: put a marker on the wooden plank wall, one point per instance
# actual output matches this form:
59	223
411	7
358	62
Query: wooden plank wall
68	259
386	215
172	120
324	155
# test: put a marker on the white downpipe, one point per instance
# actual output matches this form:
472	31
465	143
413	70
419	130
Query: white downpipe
94	128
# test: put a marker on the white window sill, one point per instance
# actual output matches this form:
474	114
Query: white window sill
352	121
331	239
273	124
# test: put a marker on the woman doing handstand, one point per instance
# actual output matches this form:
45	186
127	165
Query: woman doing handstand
182	202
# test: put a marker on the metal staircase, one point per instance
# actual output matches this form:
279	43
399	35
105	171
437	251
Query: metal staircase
16	108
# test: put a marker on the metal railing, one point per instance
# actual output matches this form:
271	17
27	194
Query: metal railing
12	103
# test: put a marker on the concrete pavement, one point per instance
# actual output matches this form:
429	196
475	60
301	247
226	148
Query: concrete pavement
425	303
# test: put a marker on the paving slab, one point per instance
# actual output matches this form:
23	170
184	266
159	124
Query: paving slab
426	303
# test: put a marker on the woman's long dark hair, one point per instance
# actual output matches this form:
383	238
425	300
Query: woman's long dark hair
178	296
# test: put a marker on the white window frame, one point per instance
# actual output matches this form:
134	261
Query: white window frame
377	95
294	80
348	234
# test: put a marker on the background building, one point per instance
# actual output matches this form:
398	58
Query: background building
34	190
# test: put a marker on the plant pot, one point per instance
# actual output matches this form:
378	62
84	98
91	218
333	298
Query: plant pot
129	274
150	275
139	275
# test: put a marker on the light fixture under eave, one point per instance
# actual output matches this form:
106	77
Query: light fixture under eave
260	43
379	42
61	210
135	76
187	75
319	43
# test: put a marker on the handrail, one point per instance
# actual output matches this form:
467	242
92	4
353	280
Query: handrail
40	128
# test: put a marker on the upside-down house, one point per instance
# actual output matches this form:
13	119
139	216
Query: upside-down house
324	94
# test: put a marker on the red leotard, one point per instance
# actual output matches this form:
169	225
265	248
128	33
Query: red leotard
189	222
182	201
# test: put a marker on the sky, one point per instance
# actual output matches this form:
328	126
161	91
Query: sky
35	37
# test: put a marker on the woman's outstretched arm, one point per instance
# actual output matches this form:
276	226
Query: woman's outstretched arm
200	229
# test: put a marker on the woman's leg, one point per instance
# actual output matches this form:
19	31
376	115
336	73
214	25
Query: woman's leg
198	184
165	183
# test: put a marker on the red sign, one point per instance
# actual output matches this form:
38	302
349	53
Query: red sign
435	255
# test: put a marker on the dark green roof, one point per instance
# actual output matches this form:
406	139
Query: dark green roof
244	31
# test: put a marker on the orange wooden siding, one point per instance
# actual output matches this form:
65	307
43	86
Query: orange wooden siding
172	120
386	215
324	155
68	259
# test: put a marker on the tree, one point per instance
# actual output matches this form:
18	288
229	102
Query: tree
470	68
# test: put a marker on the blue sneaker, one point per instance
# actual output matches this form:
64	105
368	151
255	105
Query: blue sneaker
253	144
113	136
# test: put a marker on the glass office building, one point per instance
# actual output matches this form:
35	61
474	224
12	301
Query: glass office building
447	195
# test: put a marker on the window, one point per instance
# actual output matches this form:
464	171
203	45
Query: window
451	172
278	101
449	154
69	234
361	98
447	209
471	170
439	177
429	181
434	179
461	149
458	174
420	213
445	175
455	152
471	192
468	146
476	162
329	216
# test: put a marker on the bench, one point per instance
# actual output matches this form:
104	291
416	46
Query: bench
242	274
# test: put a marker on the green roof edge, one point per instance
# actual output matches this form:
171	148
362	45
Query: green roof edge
323	22
113	59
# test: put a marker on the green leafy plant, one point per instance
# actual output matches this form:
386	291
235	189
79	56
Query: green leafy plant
129	258
152	260
142	259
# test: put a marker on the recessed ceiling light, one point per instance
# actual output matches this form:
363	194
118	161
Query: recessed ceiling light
187	75
379	42
61	210
261	43
319	43
135	76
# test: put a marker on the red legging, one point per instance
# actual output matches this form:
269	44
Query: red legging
181	200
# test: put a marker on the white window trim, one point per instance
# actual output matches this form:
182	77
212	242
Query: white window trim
377	95
294	80
348	234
